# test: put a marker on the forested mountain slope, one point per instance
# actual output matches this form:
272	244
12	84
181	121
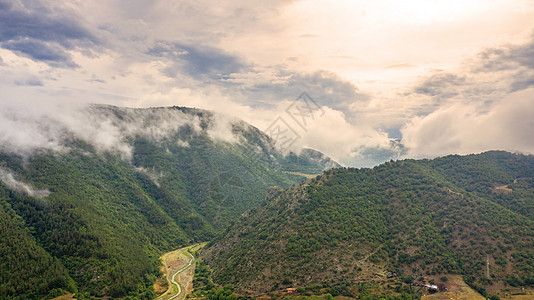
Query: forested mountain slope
410	218
92	212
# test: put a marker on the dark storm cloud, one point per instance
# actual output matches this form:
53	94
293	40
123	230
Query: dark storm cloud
196	61
43	33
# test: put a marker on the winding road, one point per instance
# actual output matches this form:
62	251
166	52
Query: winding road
191	259
176	289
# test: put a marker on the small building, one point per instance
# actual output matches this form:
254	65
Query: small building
291	290
432	288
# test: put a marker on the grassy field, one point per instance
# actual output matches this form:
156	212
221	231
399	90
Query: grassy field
521	297
308	176
457	289
68	296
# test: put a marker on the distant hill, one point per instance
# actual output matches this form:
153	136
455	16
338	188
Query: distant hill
93	214
409	220
308	161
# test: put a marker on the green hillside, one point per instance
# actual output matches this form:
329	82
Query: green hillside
404	221
28	271
166	182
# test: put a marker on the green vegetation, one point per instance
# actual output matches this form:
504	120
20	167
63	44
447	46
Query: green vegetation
28	271
204	287
108	218
98	222
202	283
413	219
369	233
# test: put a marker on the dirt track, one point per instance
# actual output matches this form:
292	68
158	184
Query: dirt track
179	269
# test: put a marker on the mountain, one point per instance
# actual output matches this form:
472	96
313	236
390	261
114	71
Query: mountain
403	221
100	195
308	161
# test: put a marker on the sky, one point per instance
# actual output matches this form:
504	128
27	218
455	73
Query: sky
383	79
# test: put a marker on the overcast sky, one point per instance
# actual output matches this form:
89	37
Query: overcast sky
443	77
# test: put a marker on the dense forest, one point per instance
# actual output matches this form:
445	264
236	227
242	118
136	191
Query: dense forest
94	222
412	220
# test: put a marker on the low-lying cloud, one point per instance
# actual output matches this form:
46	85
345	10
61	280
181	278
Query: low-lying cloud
27	129
106	128
7	177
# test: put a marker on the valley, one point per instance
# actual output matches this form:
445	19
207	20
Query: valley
179	266
108	214
93	222
266	150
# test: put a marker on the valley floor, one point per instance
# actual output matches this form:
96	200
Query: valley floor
179	267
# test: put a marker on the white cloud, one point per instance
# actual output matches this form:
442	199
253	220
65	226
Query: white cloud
263	55
470	128
221	129
9	180
151	173
343	141
27	128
